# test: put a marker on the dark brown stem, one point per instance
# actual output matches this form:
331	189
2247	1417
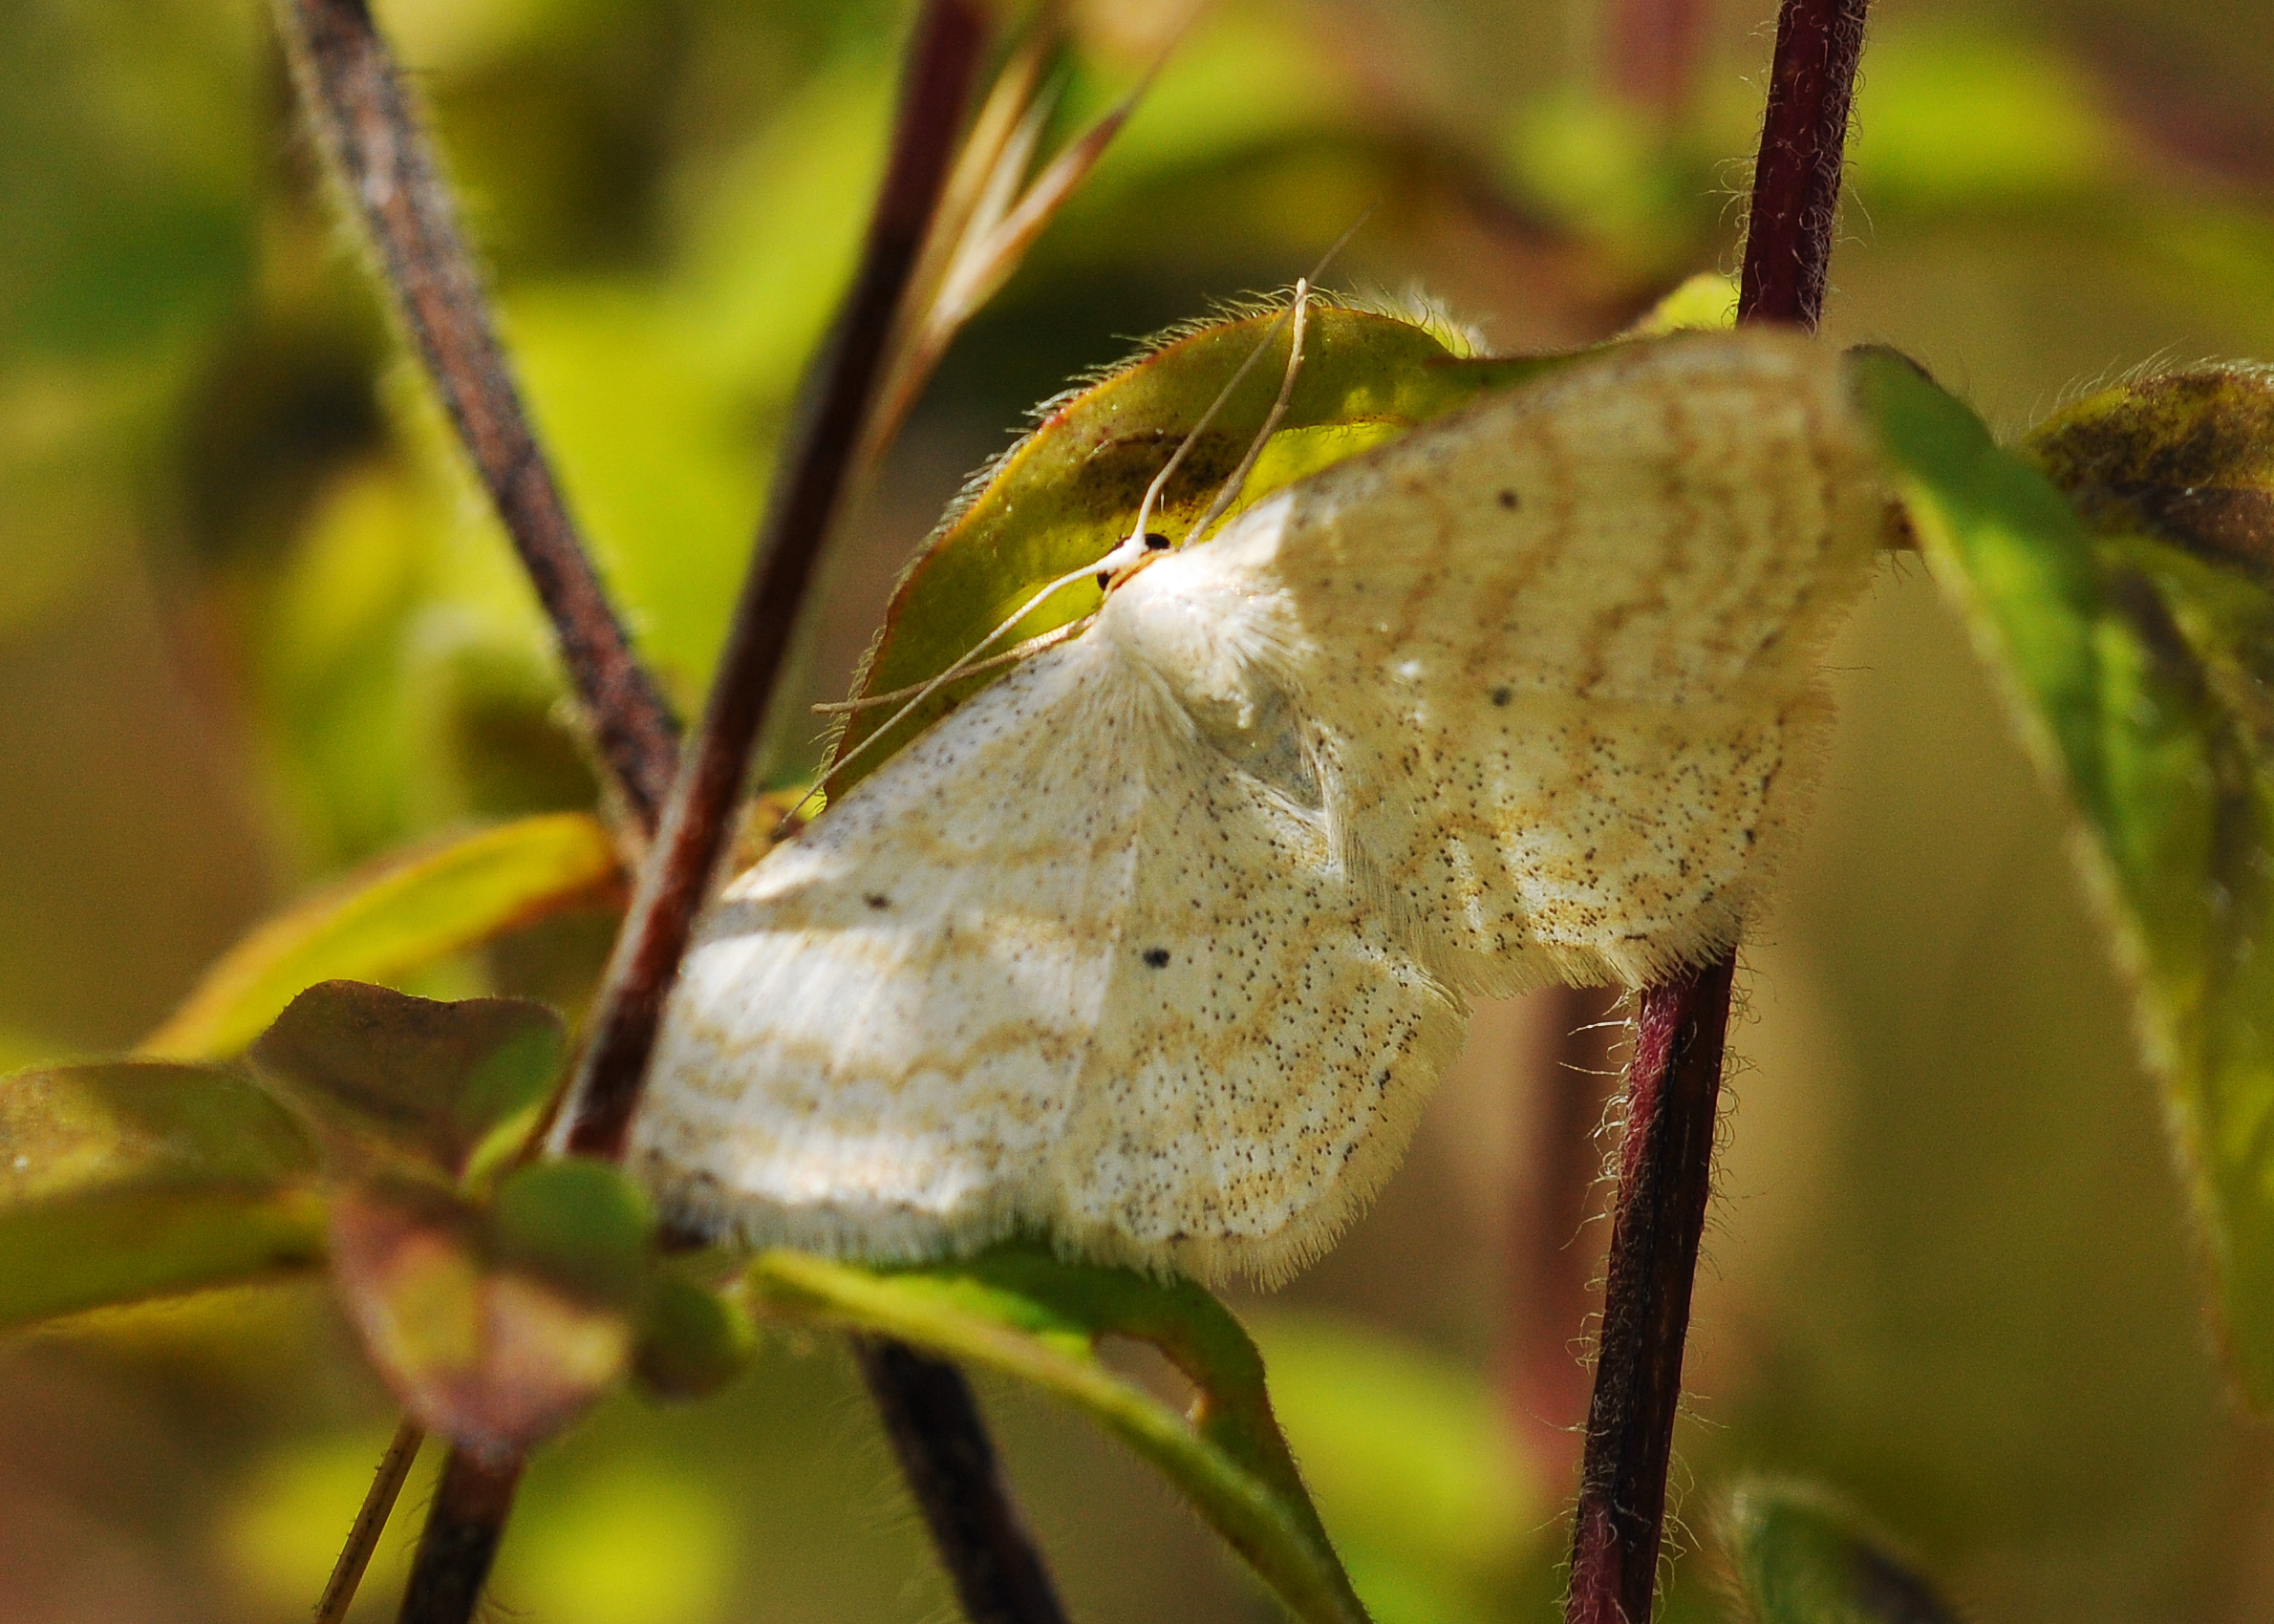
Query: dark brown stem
936	1430
1674	1082
929	1411
357	102
817	457
1666	1174
386	169
460	1539
1796	178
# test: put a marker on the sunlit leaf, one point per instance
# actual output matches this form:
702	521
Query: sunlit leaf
1703	303
2137	651
453	1091
395	916
1072	489
1797	1556
1023	1312
122	1180
496	1325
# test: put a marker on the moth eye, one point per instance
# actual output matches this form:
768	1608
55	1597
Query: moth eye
1155	542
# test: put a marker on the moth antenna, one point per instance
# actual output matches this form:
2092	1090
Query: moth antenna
1126	552
1228	492
1033	646
1160	481
1295	309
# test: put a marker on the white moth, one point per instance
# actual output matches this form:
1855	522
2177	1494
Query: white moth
1157	945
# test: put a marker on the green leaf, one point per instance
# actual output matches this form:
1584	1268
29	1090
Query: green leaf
393	916
453	1090
2137	651
122	1180
1797	1556
497	1325
1069	492
1023	1312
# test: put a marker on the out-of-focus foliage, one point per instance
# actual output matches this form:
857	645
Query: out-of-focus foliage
255	628
125	1180
2137	661
1796	1556
397	914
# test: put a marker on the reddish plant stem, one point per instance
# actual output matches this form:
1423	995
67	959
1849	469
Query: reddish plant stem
357	102
1653	52
460	1538
1674	1080
386	169
1666	1174
698	819
928	1412
1796	178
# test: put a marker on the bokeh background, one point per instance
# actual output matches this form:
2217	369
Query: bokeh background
255	626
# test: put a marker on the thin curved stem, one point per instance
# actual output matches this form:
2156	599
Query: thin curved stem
924	1401
371	1521
388	175
355	98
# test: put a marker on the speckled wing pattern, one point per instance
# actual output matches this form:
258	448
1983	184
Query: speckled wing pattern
1157	945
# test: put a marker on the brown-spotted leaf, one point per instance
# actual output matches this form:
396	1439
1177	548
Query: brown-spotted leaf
122	1180
454	1089
497	1324
2187	456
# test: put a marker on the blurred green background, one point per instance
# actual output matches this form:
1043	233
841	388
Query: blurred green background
255	626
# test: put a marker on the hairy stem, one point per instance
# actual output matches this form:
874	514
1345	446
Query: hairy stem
371	1521
1666	1174
460	1539
1796	178
817	462
355	98
1674	1080
363	119
929	1411
926	1403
